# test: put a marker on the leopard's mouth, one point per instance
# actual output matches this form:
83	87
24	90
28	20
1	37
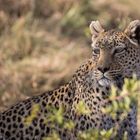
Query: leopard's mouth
104	82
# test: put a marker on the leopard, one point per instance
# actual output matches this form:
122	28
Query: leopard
115	56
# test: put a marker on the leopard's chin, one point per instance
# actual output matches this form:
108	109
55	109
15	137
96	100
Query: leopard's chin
105	82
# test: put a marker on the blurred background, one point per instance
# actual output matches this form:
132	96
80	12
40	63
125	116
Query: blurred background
42	42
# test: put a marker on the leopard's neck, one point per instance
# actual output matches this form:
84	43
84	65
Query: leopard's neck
83	76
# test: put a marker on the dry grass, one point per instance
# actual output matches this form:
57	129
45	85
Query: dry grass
42	44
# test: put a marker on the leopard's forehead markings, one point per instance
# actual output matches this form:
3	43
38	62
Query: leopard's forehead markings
110	39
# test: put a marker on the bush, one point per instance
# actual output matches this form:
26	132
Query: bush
120	101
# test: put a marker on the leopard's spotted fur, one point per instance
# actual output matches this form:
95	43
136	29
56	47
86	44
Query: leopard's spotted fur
116	55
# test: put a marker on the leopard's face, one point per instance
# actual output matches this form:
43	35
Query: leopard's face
117	56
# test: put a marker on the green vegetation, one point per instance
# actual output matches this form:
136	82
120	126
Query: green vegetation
38	39
120	102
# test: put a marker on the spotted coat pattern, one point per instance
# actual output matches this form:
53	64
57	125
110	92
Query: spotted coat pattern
84	86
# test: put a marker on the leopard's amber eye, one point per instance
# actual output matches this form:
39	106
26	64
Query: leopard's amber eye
96	51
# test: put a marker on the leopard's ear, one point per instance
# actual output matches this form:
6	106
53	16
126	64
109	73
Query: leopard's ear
96	29
133	31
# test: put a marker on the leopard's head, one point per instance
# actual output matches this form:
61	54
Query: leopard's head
116	53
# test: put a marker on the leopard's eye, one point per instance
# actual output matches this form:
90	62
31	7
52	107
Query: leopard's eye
119	49
96	51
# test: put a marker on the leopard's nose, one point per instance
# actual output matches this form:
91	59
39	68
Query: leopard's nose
103	69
